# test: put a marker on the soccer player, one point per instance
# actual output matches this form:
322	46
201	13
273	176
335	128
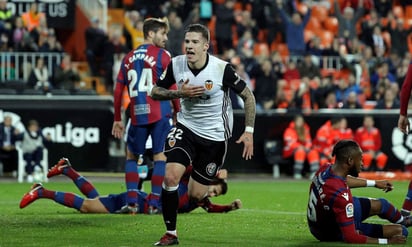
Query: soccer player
94	203
404	126
334	215
139	70
204	123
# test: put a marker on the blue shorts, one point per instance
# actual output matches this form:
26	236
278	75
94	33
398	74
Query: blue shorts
114	202
137	136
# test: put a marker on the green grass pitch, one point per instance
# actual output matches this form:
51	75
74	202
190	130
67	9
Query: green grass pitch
273	214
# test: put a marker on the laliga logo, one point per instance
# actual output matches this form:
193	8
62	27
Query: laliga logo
402	146
77	136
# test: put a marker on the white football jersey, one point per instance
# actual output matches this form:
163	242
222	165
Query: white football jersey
209	116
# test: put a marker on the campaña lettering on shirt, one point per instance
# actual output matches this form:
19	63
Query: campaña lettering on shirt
142	56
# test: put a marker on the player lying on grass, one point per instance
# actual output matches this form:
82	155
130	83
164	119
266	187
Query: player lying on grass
334	215
112	203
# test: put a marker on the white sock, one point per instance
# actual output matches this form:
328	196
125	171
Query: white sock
172	232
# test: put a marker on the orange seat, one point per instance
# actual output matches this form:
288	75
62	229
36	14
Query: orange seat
398	11
326	38
313	24
308	35
261	48
331	24
320	12
282	48
408	12
301	8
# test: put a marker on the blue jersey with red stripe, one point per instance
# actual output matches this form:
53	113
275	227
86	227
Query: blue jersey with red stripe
139	71
331	209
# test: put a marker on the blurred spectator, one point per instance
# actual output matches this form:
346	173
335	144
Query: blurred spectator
274	23
33	17
320	93
399	38
176	33
344	131
245	43
314	47
307	68
326	137
347	21
291	71
32	147
401	71
8	137
345	87
133	29
244	22
330	101
95	38
27	44
294	30
225	19
51	44
266	87
352	102
389	100
302	99
381	73
367	29
6	21
18	33
370	141
277	62
39	78
66	75
383	7
297	143
379	46
237	102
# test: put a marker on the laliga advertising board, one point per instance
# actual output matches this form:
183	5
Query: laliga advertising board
80	129
59	13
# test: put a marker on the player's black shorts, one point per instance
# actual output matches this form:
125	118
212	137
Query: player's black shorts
206	156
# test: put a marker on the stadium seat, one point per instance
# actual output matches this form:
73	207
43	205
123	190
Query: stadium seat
326	38
331	24
398	11
261	48
282	48
408	12
320	12
308	35
60	92
314	25
8	91
32	91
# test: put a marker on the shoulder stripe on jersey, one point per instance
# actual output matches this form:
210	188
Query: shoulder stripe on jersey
332	199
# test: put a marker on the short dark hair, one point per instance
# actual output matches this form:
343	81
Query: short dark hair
154	24
199	28
222	183
344	148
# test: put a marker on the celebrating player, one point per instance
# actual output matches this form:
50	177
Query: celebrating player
94	203
204	123
334	215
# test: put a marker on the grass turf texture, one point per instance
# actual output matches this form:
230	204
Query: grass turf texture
273	214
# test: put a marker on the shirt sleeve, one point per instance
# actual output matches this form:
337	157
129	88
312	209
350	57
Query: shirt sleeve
406	91
168	80
231	79
344	211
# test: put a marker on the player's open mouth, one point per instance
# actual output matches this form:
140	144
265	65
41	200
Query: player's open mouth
190	53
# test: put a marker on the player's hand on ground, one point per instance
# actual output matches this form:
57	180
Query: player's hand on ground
117	129
236	204
403	124
397	239
247	139
385	185
191	91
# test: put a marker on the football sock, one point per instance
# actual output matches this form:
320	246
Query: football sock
132	181
170	203
407	203
158	174
389	212
64	198
81	182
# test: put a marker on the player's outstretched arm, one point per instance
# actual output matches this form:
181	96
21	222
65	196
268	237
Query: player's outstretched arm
250	114
354	182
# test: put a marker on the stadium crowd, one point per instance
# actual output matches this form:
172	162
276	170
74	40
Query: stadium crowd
295	54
